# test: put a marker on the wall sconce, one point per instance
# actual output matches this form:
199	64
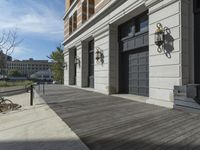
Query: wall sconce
99	56
159	36
65	65
77	61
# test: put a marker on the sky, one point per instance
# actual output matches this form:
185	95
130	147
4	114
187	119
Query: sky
39	25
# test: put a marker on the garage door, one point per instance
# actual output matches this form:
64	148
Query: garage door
135	72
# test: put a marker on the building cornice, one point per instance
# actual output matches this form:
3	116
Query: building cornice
150	3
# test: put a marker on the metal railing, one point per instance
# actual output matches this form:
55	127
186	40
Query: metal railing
43	87
13	92
26	89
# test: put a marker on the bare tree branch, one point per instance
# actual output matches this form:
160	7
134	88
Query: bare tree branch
8	42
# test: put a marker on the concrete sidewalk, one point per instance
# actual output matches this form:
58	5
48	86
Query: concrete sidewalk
36	128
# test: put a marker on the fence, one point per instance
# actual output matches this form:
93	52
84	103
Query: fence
19	91
41	87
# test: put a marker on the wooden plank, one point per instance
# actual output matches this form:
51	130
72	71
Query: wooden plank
105	122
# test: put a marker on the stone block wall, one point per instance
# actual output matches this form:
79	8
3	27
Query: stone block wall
169	67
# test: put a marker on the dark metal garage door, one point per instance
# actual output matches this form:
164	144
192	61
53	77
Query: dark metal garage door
135	72
133	56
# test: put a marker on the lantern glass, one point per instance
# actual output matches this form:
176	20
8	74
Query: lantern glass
159	38
98	55
76	60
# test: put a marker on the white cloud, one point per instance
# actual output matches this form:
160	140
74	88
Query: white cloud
31	18
20	52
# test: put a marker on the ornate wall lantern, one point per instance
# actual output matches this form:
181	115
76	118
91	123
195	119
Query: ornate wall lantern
99	56
65	65
159	37
77	61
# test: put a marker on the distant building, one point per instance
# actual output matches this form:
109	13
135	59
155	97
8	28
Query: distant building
29	67
3	59
9	58
42	75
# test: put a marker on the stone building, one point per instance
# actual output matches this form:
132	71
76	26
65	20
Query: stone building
110	47
29	67
3	61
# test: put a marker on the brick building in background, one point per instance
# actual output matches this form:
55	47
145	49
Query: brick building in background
110	48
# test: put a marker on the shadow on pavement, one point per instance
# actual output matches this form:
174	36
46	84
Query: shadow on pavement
100	145
42	145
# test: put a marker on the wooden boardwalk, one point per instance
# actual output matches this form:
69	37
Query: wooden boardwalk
109	123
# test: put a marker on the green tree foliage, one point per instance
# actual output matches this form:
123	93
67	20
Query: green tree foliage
14	73
58	62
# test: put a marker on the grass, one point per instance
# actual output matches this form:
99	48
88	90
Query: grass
15	83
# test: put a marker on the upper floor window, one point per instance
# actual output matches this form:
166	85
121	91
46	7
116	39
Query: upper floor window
70	25
74	21
71	2
88	9
91	6
84	11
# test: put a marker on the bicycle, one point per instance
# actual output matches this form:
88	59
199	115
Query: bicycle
6	105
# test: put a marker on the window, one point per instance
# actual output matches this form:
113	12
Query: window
91	8
71	2
74	21
127	29
84	11
70	25
196	6
88	9
135	25
142	23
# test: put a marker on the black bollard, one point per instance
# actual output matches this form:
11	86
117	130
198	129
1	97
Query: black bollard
39	86
43	88
31	95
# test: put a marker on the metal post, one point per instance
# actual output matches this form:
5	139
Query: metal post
43	88
31	95
39	86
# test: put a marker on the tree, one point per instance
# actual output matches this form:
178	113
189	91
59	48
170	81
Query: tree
14	73
58	62
8	42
